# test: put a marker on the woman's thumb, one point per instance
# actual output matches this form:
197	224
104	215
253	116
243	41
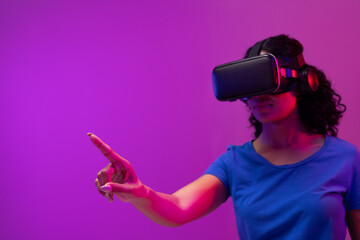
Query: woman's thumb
112	187
106	188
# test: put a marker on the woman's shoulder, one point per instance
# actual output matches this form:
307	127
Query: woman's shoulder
236	152
340	144
243	147
341	149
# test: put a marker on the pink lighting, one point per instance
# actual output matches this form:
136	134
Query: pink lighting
138	74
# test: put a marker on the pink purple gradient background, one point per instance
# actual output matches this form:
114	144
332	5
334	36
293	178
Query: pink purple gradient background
138	74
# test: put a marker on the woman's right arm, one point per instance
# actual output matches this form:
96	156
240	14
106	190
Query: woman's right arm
187	204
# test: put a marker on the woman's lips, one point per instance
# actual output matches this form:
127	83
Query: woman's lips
261	105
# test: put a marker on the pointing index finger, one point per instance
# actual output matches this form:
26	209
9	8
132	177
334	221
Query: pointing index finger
105	149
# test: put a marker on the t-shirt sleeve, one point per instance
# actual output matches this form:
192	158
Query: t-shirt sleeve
219	169
352	197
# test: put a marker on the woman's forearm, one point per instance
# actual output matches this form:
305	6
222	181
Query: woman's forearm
187	204
161	208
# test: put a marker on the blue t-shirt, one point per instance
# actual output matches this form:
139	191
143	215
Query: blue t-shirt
305	200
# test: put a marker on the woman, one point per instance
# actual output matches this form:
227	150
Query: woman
295	180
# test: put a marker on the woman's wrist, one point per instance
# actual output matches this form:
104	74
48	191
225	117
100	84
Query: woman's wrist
142	195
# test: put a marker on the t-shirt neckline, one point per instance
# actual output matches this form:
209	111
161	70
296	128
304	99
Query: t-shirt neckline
304	161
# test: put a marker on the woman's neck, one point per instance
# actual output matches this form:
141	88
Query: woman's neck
288	132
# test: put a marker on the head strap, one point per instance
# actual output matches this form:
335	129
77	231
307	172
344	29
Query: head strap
255	50
292	63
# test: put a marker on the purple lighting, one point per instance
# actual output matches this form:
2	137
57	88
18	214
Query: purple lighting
138	74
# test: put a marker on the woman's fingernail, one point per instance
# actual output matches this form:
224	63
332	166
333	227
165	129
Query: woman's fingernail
108	197
89	134
106	188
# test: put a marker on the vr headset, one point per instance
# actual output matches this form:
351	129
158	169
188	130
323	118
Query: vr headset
260	74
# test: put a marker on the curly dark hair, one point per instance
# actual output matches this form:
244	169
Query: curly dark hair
320	111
